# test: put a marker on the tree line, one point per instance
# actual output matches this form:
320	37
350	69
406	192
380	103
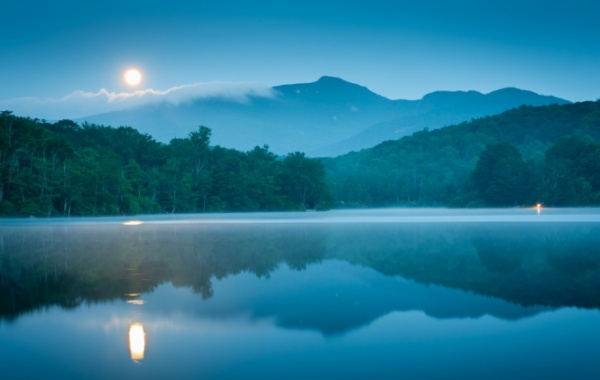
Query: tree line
66	169
569	175
528	155
548	154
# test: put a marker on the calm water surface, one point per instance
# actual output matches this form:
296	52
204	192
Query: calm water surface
403	293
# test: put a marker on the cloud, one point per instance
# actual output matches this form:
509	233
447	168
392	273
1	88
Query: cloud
81	103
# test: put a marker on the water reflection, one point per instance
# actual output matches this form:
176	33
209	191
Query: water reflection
545	264
385	297
134	299
137	341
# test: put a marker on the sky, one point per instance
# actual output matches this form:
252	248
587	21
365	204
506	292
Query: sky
67	58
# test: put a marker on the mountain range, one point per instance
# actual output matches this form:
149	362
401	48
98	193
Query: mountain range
324	118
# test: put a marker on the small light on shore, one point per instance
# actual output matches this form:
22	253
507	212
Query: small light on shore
538	208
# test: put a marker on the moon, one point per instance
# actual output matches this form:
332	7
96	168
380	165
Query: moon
133	77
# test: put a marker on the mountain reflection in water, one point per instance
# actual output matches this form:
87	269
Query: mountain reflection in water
331	273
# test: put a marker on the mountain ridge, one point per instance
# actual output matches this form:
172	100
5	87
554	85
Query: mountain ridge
327	117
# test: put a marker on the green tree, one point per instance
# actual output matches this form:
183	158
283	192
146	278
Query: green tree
571	172
302	181
502	177
262	169
230	181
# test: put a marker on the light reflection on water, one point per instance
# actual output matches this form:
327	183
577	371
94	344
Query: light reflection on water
368	294
137	341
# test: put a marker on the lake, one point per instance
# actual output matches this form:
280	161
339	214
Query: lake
388	294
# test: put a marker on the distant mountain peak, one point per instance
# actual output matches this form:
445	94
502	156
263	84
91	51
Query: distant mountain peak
338	83
326	79
455	95
507	95
329	86
525	96
322	83
509	89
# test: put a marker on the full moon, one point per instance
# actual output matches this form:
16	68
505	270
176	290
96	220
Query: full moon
133	77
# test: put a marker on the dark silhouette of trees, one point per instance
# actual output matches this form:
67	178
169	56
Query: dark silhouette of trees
502	177
435	168
66	169
572	172
546	154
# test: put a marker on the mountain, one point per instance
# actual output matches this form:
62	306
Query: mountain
440	109
433	167
326	118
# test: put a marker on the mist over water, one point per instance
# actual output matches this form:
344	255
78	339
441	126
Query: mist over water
346	293
366	216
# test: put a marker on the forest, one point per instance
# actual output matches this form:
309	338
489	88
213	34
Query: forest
524	156
66	169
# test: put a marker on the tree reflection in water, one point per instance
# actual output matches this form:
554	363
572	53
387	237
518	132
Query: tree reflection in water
551	264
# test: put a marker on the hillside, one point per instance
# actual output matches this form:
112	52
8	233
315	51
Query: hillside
324	118
434	167
63	169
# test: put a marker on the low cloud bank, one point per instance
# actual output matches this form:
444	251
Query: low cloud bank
79	104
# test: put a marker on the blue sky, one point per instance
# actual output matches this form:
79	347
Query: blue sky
399	49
